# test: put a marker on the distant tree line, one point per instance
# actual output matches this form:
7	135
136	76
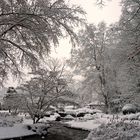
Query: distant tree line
109	59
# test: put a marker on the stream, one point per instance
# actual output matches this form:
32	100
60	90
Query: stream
58	131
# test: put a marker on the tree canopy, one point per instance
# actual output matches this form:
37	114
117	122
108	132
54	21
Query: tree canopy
47	87
28	29
108	58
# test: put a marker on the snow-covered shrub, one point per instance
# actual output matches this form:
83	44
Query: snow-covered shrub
139	118
4	114
71	112
58	118
97	111
88	117
68	117
5	123
81	114
9	121
116	131
129	108
39	129
131	117
86	110
27	117
62	114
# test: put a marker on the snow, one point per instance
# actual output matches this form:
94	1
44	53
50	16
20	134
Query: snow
18	130
85	125
51	118
82	110
115	131
69	107
85	110
129	107
96	103
69	117
6	120
4	111
19	126
27	121
96	121
88	116
89	122
39	128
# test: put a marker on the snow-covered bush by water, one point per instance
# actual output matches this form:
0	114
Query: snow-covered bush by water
116	131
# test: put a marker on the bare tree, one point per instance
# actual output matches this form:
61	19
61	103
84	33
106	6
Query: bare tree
47	87
94	60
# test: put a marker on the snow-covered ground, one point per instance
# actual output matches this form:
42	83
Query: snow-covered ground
18	130
88	122
19	126
117	129
85	125
94	121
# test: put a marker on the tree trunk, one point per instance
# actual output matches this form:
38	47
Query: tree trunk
37	120
33	120
106	104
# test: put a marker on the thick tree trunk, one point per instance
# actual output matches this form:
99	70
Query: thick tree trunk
35	120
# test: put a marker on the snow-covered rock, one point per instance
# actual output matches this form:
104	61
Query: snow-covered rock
69	117
88	116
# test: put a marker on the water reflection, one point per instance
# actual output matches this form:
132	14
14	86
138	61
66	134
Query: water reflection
59	132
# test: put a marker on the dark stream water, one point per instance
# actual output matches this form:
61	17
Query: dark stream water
60	132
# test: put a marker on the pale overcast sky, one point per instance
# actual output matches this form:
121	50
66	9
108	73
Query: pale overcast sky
110	13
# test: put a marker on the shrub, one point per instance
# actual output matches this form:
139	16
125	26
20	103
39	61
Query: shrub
39	129
9	121
116	131
129	108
